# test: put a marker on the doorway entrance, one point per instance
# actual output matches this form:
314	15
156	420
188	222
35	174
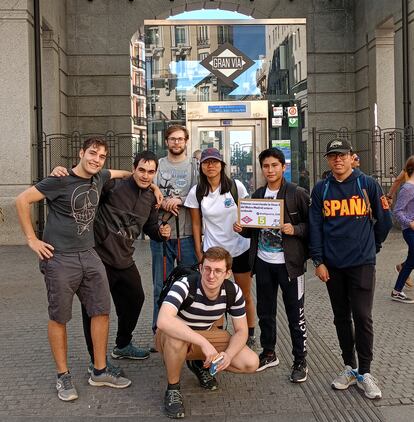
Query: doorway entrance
231	128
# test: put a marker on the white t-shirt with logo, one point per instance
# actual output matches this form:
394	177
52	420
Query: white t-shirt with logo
219	214
270	247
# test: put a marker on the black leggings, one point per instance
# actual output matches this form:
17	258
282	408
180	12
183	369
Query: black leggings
128	296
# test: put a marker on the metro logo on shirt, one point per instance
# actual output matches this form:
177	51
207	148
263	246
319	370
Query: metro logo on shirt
354	206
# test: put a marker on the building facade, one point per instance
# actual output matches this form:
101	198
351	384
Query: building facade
354	75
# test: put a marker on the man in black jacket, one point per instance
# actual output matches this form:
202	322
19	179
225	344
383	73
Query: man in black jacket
277	257
126	209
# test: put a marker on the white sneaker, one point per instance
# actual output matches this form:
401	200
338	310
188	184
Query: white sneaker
369	384
344	379
401	297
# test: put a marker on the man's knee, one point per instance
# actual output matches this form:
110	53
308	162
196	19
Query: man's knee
174	345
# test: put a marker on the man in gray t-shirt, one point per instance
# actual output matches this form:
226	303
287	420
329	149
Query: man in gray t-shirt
177	173
69	262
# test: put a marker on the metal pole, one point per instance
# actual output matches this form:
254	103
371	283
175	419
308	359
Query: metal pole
406	69
38	108
314	156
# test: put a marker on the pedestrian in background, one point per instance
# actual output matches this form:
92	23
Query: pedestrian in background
404	214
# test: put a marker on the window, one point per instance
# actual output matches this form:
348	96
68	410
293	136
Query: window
179	33
153	35
155	66
224	34
202	56
204	93
202	35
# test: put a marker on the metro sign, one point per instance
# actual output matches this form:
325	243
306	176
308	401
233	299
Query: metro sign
227	63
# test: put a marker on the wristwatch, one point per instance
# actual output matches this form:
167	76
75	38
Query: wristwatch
316	262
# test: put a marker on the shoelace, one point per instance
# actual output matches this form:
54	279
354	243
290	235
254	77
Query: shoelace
205	375
67	382
370	381
174	396
116	370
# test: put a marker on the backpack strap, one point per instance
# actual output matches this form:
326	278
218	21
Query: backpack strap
230	289
193	281
365	196
234	192
290	197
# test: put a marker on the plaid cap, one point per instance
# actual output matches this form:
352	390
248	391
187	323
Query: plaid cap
211	154
338	145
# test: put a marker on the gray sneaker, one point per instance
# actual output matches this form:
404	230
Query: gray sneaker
130	352
345	378
65	388
117	370
110	379
369	384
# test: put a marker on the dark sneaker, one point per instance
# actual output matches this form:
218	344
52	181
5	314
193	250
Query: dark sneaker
114	369
206	380
344	379
251	342
401	297
299	372
109	379
65	388
369	385
130	352
173	403
267	360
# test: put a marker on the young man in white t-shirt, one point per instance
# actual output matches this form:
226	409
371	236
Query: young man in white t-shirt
277	257
189	334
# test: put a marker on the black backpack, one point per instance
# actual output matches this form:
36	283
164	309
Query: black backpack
193	277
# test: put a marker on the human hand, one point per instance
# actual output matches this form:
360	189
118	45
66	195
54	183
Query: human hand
288	229
172	205
412	225
237	227
158	195
322	273
165	231
59	171
42	249
209	351
225	362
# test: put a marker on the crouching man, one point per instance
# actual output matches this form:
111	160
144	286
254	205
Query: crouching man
188	334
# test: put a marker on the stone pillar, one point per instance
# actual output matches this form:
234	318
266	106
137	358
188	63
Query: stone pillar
17	124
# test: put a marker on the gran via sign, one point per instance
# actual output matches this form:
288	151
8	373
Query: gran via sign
227	63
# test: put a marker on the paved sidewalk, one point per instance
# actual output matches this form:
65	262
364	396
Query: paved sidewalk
27	391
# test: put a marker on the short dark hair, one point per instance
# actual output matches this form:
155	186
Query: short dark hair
272	152
146	156
409	166
173	129
217	253
95	141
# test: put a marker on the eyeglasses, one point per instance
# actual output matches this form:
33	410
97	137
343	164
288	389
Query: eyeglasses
176	140
334	155
216	272
210	162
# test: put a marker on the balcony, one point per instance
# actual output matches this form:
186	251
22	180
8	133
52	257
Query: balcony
203	42
137	62
138	90
140	121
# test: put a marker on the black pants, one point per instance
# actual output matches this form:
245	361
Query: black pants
128	296
351	291
268	279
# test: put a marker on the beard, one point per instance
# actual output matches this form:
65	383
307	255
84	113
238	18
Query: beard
176	150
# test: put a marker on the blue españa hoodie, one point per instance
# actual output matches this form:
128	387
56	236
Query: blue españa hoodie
342	231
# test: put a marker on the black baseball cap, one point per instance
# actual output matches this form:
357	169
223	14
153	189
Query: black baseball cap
338	145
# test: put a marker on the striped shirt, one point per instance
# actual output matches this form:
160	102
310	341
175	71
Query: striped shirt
203	312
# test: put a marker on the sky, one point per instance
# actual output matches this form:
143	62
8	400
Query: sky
210	14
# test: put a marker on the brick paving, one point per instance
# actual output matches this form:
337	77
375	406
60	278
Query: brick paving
27	389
